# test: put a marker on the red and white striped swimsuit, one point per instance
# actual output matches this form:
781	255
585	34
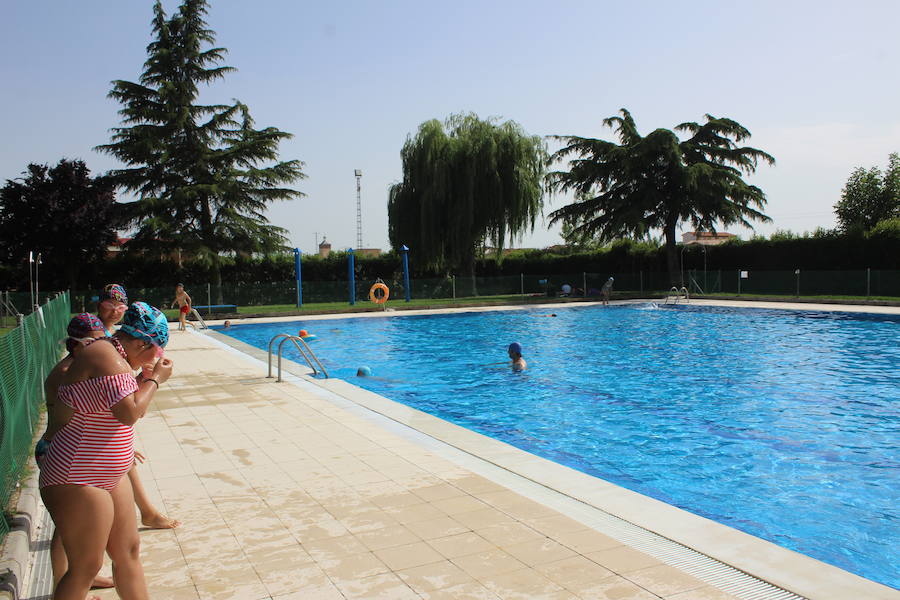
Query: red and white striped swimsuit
93	448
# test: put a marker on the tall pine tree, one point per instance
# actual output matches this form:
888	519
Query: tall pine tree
203	174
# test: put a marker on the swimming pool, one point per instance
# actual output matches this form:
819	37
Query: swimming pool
783	424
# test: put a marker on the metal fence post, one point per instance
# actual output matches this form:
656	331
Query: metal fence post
584	284
298	278
405	250
522	283
868	281
208	299
739	282
453	285
797	273
641	279
352	276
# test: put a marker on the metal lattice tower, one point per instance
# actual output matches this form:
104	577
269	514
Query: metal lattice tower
358	174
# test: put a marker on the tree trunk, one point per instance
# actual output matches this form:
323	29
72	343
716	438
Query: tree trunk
672	254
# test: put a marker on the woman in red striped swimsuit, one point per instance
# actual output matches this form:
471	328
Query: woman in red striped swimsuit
81	479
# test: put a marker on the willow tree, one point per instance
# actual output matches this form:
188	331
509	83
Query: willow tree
466	182
203	174
658	181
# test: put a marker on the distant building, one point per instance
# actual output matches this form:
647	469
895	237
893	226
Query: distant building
113	249
324	248
706	238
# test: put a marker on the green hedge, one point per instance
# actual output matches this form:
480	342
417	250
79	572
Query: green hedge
879	249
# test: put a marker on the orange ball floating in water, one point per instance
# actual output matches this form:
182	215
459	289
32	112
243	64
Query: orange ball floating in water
303	333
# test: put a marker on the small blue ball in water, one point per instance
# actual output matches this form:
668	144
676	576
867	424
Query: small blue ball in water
364	372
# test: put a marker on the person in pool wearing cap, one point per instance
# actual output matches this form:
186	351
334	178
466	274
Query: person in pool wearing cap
515	354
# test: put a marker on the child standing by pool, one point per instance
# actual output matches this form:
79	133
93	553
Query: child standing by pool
183	300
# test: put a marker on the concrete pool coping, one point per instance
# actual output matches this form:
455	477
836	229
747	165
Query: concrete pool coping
784	568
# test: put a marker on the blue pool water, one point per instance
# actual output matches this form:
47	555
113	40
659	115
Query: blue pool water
782	424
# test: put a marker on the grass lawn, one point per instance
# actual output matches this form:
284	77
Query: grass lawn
790	297
366	306
514	299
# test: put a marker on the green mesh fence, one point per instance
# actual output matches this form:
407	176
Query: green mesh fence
861	283
27	354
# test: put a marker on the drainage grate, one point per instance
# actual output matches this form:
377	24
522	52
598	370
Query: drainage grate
703	567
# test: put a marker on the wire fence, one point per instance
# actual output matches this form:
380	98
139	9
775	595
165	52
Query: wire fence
861	283
27	354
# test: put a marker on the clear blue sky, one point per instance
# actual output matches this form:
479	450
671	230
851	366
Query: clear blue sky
815	82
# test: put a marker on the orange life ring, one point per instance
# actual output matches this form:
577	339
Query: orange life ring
379	299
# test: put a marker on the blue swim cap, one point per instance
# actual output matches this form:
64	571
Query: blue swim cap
516	348
364	372
147	323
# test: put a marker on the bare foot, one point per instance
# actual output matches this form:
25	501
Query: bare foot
159	521
102	583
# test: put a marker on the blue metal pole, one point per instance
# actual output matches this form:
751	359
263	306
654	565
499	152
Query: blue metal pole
299	279
405	252
352	277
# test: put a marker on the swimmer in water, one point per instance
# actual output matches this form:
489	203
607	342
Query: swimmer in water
515	354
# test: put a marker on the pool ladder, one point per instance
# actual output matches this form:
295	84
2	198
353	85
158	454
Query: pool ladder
305	351
674	294
196	314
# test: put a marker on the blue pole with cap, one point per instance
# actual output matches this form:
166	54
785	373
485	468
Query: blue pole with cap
352	276
405	252
297	275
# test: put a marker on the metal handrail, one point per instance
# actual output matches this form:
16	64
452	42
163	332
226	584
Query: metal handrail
203	324
272	341
669	295
306	352
677	294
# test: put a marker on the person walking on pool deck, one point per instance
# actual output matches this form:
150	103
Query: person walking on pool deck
515	354
82	478
183	300
111	307
606	290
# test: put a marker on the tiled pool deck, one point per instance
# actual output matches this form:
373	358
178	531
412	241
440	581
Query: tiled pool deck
302	490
